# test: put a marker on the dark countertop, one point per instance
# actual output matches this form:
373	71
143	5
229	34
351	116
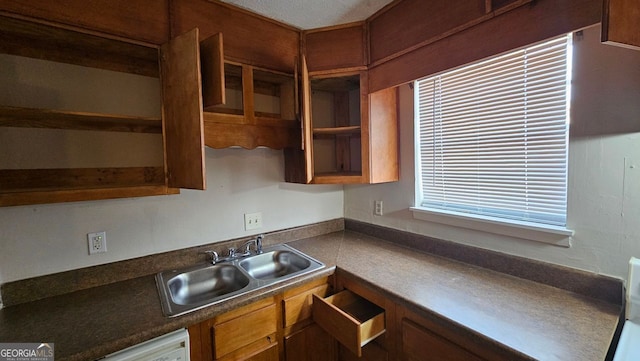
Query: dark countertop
536	320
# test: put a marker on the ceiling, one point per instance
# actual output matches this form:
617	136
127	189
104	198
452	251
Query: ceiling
311	14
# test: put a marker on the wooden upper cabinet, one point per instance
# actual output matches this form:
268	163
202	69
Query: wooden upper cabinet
620	23
166	152
349	135
142	20
248	38
182	111
408	23
337	47
245	105
212	69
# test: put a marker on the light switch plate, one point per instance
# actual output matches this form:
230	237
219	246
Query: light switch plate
252	220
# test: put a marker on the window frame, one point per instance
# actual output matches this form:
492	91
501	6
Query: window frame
547	233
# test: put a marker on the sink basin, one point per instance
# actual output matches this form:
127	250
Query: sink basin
203	284
274	264
200	286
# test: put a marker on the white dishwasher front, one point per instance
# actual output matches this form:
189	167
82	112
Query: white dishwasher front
173	346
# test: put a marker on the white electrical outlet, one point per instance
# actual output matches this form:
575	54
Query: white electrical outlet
252	220
377	208
97	242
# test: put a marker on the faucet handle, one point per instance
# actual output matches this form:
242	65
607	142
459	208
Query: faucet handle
259	243
214	256
232	252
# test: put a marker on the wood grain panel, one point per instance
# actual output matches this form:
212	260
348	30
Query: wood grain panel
539	21
311	343
234	334
336	48
411	21
420	344
223	135
182	112
60	196
298	308
34	40
383	138
144	20
351	320
55	119
212	67
371	352
22	180
620	20
249	38
298	159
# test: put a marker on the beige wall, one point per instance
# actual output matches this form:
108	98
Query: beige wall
604	170
43	239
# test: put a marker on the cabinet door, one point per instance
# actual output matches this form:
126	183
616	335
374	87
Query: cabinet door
299	162
420	344
212	66
270	354
182	111
311	343
620	23
383	136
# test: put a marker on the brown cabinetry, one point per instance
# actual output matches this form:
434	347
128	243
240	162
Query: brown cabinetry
360	319
427	337
303	339
246	333
620	23
22	183
142	20
349	135
336	47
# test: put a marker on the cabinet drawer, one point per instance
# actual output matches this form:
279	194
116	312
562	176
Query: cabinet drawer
298	308
351	319
241	331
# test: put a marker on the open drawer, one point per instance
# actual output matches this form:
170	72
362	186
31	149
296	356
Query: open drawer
349	318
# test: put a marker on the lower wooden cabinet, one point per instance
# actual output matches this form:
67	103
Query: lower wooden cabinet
371	352
425	337
311	343
246	333
311	323
420	344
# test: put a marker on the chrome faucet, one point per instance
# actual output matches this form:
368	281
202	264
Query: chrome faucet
214	256
247	246
235	254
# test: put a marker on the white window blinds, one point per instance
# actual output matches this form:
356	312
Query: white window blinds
493	136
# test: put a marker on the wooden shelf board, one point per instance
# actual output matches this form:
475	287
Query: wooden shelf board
72	179
24	38
338	178
354	129
59	119
76	195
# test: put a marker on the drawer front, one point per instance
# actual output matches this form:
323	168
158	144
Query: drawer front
298	308
241	331
350	319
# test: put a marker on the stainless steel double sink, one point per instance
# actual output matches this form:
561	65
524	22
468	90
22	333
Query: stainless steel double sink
189	289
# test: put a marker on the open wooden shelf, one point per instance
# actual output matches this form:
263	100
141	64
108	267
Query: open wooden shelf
24	180
59	119
354	129
29	39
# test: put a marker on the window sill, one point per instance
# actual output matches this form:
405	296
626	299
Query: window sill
557	236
